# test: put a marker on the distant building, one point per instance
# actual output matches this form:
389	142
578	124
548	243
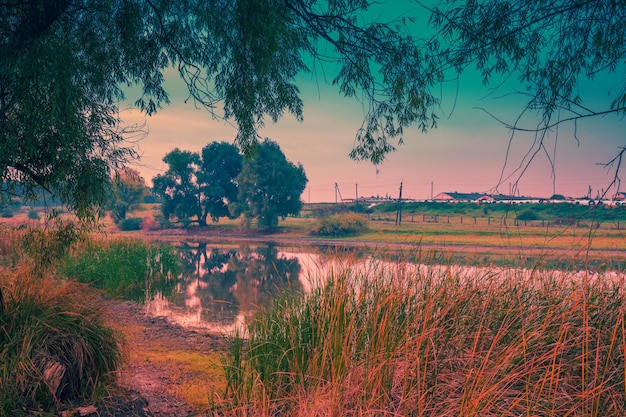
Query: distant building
458	197
482	198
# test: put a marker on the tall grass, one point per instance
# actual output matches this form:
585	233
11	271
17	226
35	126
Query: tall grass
128	267
437	342
54	347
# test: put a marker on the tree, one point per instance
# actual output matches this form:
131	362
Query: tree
196	187
178	188
269	186
127	192
219	168
550	47
64	65
61	66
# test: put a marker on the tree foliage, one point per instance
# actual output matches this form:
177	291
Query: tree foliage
128	191
270	186
219	167
198	186
178	187
64	65
550	47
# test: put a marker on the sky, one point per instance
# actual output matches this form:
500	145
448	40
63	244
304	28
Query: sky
467	152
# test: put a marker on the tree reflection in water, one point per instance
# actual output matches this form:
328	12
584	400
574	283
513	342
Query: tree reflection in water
221	286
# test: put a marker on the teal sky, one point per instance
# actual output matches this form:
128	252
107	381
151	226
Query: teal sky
466	153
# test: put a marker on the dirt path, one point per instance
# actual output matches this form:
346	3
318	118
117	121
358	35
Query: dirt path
147	384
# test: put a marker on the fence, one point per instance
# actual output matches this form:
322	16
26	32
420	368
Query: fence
498	221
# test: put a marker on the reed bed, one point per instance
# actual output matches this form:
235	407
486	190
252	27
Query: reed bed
128	267
412	341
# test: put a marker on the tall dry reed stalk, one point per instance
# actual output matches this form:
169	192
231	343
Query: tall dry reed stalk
416	341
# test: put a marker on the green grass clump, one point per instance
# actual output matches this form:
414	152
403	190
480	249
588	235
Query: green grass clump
342	224
54	348
401	340
126	267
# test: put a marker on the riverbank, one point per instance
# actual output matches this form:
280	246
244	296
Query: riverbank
163	362
493	243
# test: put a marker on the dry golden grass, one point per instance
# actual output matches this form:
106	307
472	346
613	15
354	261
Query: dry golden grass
438	342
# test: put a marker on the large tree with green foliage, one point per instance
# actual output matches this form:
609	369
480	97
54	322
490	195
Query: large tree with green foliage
270	186
178	187
219	167
198	186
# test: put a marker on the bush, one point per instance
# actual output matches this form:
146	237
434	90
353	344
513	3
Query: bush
528	215
54	347
33	215
131	223
342	224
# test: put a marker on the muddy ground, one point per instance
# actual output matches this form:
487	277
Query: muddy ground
146	385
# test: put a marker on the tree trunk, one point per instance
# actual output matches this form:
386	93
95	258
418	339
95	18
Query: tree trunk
1	303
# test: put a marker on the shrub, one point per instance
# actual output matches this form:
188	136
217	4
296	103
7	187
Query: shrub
54	347
131	223
527	215
342	224
33	214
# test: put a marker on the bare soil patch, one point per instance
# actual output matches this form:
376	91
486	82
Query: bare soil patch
147	386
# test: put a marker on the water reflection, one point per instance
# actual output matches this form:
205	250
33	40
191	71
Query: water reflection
221	286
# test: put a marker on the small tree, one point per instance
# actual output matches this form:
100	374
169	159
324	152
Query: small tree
269	186
127	192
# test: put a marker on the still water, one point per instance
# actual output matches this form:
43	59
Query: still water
222	286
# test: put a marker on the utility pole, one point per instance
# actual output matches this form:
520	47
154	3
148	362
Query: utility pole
337	191
356	197
399	210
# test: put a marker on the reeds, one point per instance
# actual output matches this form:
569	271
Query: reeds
129	267
54	347
418	341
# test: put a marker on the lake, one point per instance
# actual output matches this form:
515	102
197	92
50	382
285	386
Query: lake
222	286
